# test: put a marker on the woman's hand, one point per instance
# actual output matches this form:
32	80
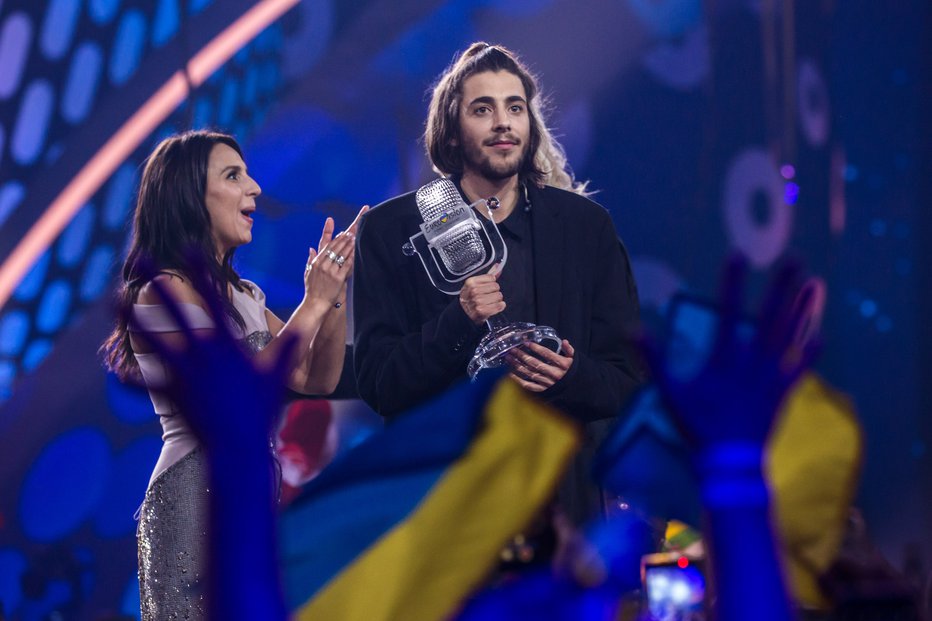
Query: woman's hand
326	273
355	223
331	264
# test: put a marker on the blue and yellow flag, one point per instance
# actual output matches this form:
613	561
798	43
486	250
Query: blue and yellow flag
407	524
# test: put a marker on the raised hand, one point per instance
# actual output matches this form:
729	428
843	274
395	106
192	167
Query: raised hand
330	265
354	225
326	235
326	273
727	409
735	396
229	401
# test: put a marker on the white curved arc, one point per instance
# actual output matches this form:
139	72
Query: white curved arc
129	136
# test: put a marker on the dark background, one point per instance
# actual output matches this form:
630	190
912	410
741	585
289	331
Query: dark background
772	128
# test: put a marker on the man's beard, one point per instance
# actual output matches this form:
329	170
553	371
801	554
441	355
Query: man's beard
493	168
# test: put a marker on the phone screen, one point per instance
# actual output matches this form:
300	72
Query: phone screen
675	589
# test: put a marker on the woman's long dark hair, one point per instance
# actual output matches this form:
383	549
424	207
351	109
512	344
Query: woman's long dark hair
171	230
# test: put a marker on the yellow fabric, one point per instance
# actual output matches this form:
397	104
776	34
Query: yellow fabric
812	468
424	567
813	465
678	535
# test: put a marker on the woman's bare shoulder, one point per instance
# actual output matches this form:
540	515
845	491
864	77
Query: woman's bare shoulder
175	284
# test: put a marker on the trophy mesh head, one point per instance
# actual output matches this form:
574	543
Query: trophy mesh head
465	251
436	197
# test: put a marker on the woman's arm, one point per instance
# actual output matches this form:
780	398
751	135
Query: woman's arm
319	322
324	283
318	366
326	361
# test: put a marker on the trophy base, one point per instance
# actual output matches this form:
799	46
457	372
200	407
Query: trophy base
492	348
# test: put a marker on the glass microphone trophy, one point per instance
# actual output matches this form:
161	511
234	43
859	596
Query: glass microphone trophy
454	244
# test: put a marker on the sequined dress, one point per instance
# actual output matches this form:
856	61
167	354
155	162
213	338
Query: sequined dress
171	534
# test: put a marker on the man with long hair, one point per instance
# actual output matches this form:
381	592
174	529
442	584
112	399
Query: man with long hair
566	267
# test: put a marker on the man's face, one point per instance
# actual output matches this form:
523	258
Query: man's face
494	125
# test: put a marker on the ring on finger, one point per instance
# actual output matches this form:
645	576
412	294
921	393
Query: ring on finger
332	255
340	260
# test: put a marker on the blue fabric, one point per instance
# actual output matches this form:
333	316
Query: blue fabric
373	487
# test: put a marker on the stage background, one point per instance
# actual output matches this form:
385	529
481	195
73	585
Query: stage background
771	128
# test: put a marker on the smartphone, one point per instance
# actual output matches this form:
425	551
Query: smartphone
692	326
674	587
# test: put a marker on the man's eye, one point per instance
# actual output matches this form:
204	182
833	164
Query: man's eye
517	108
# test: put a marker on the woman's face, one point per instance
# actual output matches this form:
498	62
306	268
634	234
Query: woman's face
230	198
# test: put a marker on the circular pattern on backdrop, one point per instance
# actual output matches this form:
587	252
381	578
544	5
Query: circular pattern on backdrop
53	307
7	375
128	45
196	6
303	47
682	65
30	286
166	22
128	403
74	240
813	104
96	273
753	181
64	484
81	84
668	18
61	16
15	39
32	122
657	282
14	328
119	197
36	353
11	195
126	487
102	11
